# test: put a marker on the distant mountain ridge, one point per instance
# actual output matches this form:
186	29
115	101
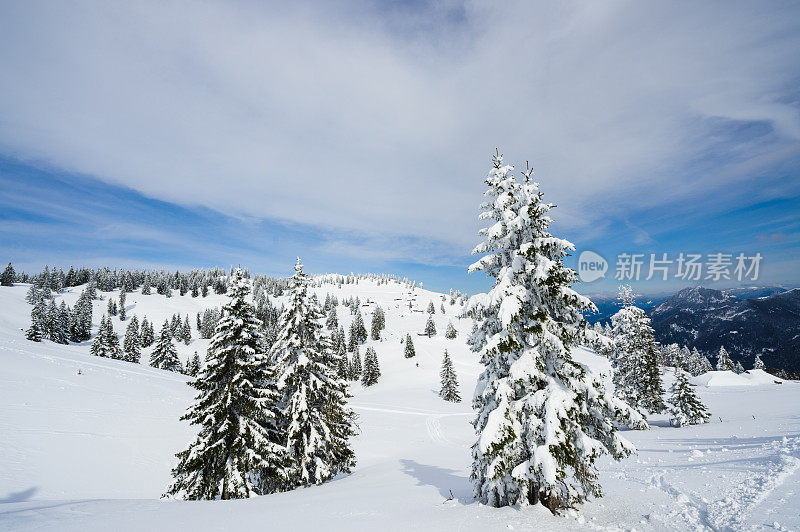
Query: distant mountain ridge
707	319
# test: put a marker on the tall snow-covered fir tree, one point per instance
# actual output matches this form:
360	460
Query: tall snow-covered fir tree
332	322
99	346
193	365
635	357
131	344
430	327
698	362
758	363
543	420
122	312
451	332
449	389
317	424
372	370
724	362
237	453
164	354
8	275
685	407
354	368
408	350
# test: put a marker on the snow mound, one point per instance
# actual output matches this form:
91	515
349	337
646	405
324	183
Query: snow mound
754	377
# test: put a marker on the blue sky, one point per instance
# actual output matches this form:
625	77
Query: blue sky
183	135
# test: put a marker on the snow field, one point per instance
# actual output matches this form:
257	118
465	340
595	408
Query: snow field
94	451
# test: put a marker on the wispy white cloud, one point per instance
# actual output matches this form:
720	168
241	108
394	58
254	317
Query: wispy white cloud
349	117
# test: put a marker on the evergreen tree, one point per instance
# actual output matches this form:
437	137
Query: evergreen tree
193	365
316	421
146	286
99	344
372	370
431	308
685	407
111	307
451	332
33	333
146	334
32	295
430	327
131	345
543	420
699	363
235	454
409	347
61	329
635	357
332	322
7	278
375	325
360	329
39	317
449	390
354	370
758	363
724	362
111	341
186	331
738	368
164	355
671	357
122	298
81	319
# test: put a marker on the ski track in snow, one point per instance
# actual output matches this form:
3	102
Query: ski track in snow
735	509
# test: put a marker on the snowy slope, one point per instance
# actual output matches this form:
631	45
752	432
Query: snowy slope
93	451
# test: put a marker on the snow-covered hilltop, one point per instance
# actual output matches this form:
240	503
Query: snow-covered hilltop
87	443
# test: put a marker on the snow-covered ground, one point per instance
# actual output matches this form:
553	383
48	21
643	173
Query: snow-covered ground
93	451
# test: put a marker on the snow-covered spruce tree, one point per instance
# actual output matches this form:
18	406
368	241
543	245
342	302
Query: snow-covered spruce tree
186	331
758	363
122	298
111	341
685	407
164	355
635	357
430	327
235	454
193	365
409	347
63	324
699	363
33	333
724	362
375	325
431	308
99	346
316	422
8	275
146	336
131	345
81	319
332	323
543	420
354	368
450	333
360	329
372	370
738	368
449	389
